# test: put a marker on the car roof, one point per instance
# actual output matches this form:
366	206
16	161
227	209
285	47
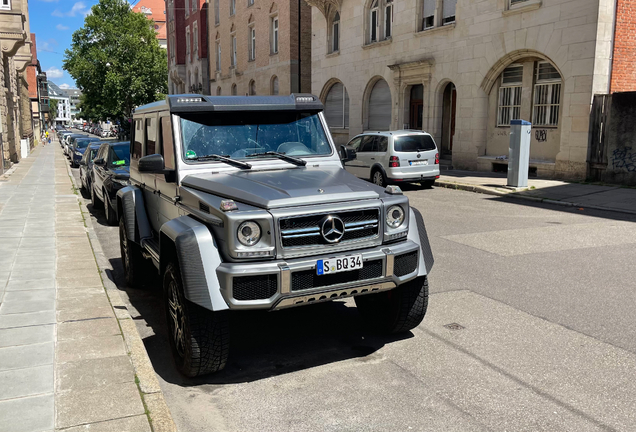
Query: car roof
395	133
203	103
116	143
95	146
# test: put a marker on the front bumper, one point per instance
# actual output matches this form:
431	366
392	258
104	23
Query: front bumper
287	283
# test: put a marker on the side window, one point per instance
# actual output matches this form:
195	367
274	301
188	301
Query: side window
367	143
101	153
167	145
355	143
151	136
382	143
135	152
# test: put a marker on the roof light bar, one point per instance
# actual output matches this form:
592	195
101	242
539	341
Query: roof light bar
302	99
190	99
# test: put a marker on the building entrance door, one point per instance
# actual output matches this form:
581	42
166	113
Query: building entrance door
448	120
417	107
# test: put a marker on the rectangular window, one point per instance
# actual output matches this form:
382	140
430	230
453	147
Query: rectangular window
514	2
547	95
374	25
6	4
233	51
195	44
187	7
428	14
218	55
151	140
336	36
187	41
216	12
232	7
252	42
509	105
274	35
250	3
139	139
388	21
194	5
448	11
167	146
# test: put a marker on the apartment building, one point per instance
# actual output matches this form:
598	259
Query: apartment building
73	96
32	72
462	69
15	106
63	104
259	47
156	11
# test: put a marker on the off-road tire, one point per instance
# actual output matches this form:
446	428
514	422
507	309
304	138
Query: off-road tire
111	217
205	335
136	268
398	310
378	178
95	201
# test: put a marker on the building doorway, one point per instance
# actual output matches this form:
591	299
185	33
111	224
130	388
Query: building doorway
417	107
449	114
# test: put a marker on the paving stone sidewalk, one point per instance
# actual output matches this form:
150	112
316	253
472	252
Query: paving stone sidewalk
600	197
63	361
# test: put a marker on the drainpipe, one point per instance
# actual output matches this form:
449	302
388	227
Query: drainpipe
611	65
299	50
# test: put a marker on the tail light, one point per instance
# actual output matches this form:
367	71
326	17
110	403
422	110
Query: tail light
436	158
394	162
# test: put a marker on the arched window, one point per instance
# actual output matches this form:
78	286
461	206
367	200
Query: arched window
380	106
252	88
233	89
218	91
373	21
337	107
274	85
335	33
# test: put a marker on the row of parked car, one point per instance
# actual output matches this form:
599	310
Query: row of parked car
103	168
95	129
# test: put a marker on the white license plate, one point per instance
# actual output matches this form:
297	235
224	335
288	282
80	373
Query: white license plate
337	265
420	162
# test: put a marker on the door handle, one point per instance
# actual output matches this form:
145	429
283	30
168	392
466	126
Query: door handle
372	158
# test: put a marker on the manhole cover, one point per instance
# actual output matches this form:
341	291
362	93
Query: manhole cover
454	326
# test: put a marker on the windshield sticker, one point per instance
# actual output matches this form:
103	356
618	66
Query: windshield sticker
119	162
190	154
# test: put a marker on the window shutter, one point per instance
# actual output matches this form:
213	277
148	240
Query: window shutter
429	8
449	8
380	107
334	106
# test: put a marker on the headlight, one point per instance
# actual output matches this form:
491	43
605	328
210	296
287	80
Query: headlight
120	182
394	216
249	233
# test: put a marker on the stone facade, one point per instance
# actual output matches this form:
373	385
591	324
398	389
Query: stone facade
261	68
442	70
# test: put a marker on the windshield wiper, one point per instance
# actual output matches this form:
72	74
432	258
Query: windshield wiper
281	156
227	160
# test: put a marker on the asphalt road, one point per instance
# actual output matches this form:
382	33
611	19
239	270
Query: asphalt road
544	297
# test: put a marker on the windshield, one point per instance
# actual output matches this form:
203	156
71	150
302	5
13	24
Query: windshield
238	135
82	144
122	155
413	143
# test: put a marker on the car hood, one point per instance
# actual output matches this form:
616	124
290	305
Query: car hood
285	187
121	172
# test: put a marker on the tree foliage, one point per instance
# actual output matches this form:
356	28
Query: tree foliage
53	109
116	61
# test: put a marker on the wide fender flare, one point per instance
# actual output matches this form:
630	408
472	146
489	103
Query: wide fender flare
417	233
199	258
133	211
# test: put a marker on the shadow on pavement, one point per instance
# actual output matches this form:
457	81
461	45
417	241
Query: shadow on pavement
263	344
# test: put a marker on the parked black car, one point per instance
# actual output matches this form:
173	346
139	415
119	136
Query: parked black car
86	168
111	171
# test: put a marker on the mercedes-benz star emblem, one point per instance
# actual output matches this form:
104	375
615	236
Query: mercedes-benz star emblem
419	155
332	229
321	191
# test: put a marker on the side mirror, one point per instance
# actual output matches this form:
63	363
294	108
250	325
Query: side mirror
99	161
151	164
347	153
82	162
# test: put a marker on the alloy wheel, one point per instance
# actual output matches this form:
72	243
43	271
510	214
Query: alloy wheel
125	253
378	178
176	319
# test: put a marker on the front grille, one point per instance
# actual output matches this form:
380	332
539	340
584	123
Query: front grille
405	264
307	279
304	231
259	287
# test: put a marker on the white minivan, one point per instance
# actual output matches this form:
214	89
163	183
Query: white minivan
395	156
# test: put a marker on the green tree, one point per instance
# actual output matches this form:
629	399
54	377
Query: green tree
116	60
53	109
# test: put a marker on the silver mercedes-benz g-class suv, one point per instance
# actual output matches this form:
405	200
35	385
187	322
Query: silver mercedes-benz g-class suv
243	203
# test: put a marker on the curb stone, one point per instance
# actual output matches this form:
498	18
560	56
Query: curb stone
496	192
151	394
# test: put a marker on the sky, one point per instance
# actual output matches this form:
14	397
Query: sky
53	22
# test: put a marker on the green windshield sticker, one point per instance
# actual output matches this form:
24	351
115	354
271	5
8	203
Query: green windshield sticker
191	154
119	162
